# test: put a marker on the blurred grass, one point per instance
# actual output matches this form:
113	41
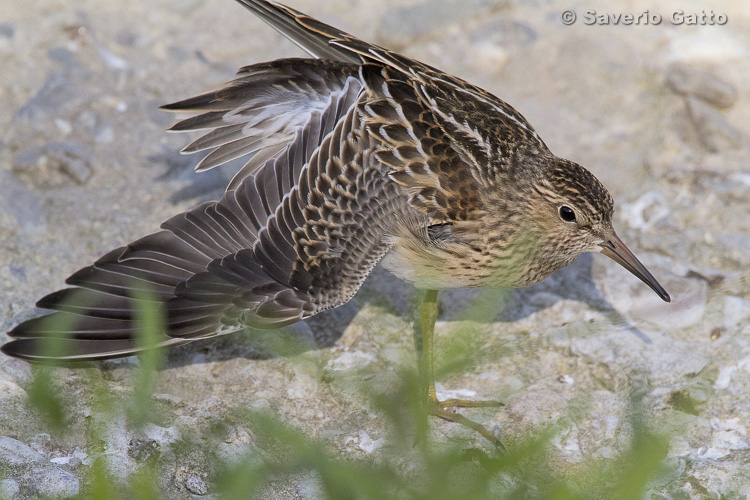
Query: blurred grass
410	466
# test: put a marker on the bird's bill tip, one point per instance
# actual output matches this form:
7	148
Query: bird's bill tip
616	250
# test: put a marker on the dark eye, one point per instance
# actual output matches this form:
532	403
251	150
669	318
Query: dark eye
567	214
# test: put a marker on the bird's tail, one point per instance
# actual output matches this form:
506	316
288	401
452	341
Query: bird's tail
99	316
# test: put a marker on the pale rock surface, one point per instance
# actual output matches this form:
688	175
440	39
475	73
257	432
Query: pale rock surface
658	112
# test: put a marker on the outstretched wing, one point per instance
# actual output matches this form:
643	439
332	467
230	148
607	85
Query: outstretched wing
438	133
323	237
296	237
257	114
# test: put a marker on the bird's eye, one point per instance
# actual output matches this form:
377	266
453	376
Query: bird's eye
567	214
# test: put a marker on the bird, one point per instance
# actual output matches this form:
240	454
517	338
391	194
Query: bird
353	156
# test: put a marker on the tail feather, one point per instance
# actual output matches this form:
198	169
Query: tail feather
60	324
99	317
34	349
84	302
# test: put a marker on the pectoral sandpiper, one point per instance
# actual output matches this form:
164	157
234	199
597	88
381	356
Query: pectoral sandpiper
353	155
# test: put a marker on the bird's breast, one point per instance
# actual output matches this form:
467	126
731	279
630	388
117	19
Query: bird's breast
452	265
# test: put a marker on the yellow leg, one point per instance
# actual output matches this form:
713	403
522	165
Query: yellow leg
423	338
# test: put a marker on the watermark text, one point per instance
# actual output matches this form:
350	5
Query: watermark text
678	17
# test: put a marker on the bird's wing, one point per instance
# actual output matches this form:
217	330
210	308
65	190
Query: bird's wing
323	41
309	34
257	114
297	237
327	202
430	124
430	156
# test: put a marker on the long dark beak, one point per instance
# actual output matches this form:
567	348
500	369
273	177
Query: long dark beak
616	250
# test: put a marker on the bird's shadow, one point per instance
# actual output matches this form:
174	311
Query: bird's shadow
382	290
385	291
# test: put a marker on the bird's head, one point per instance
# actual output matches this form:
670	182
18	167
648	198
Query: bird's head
573	211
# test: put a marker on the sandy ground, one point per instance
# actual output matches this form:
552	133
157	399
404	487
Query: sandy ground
659	112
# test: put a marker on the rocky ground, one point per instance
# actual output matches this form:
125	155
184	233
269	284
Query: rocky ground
660	113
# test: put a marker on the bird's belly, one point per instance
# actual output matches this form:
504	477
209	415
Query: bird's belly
458	265
439	270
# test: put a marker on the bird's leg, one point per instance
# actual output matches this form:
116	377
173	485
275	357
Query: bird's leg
423	338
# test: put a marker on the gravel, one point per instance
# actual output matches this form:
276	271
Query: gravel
657	112
14	453
53	482
688	80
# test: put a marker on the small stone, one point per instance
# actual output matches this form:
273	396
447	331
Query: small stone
54	164
741	177
687	307
10	391
15	453
351	360
724	379
162	435
705	46
729	434
444	393
568	443
196	485
9	489
63	126
714	132
112	60
260	404
17	371
645	212
54	482
687	80
490	55
168	398
367	444
493	43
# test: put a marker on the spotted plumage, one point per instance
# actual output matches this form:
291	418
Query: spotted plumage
350	156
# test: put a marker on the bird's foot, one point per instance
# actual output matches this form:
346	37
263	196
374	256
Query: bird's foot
438	409
467	403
